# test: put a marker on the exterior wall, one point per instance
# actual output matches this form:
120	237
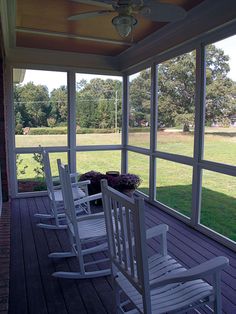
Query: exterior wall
3	158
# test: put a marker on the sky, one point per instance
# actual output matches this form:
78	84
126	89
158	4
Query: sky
56	79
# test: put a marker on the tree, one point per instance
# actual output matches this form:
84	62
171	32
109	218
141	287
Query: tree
58	102
106	113
176	90
21	116
32	101
18	123
97	102
86	110
140	97
220	90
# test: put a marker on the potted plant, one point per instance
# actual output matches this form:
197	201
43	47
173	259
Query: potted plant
125	183
95	177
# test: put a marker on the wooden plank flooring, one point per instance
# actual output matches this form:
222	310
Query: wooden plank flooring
34	291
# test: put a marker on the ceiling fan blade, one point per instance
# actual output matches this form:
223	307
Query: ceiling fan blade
163	12
107	4
88	15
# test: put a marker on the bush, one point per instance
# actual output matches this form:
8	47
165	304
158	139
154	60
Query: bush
45	131
93	130
63	130
19	129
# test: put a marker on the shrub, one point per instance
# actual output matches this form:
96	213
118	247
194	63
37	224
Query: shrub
45	131
39	169
20	168
63	130
93	130
19	129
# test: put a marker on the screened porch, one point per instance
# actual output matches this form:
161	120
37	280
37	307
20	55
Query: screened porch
160	104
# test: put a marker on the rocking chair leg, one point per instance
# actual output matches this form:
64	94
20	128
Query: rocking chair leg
217	303
44	216
119	309
61	254
78	275
53	227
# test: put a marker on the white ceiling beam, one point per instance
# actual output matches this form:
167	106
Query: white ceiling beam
71	36
58	59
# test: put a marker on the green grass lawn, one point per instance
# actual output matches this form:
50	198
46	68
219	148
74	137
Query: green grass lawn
174	181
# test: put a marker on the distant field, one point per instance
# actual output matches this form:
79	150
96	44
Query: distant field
61	140
173	180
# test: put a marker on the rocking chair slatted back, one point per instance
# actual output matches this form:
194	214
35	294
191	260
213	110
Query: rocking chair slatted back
48	174
69	206
127	237
83	230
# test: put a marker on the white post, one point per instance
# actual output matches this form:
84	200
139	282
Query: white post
153	133
71	120
199	134
9	105
125	124
116	101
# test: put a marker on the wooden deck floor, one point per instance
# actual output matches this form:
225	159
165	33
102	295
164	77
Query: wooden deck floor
34	291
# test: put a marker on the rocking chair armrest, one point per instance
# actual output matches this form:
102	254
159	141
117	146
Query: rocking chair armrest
82	183
89	198
90	216
198	272
156	231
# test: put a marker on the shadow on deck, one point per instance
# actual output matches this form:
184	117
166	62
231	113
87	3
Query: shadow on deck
34	291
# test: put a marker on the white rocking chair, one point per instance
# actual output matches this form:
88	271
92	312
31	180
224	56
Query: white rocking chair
82	230
158	284
80	190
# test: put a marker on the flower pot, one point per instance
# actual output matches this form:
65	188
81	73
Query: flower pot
128	192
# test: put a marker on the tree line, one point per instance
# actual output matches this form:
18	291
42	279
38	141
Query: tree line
99	102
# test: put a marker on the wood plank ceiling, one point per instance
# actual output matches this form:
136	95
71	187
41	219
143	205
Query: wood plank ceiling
44	24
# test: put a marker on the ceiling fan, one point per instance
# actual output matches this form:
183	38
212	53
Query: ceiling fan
128	10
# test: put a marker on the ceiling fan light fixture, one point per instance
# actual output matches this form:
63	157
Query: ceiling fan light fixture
124	24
